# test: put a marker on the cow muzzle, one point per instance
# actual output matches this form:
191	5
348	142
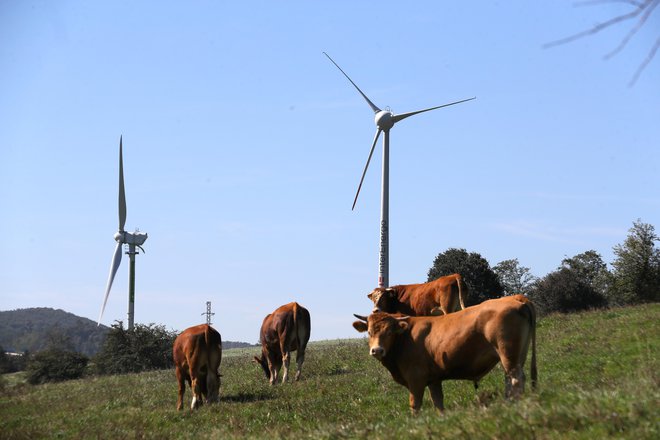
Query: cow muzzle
377	352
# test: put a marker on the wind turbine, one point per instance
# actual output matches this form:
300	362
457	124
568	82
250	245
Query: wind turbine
385	120
133	240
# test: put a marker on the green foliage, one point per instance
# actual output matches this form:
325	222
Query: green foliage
145	347
590	268
55	365
637	267
28	329
514	278
482	282
565	291
598	378
58	362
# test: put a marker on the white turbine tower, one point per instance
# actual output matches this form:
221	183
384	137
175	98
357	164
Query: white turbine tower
133	240
385	120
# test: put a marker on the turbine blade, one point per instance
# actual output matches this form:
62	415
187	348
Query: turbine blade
365	167
122	193
116	261
371	104
397	118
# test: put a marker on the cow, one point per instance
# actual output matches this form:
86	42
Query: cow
285	330
437	297
422	352
197	355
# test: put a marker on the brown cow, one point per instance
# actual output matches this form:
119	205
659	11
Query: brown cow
285	330
424	351
437	297
197	355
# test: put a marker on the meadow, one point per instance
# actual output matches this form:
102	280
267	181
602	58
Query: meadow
599	377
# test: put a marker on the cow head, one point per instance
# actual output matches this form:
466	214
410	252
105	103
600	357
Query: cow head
383	330
384	299
263	362
269	359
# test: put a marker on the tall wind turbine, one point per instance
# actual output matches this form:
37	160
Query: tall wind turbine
385	120
133	240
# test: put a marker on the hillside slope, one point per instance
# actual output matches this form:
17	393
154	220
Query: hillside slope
598	378
29	330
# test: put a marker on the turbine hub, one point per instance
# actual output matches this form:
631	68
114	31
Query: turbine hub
384	120
120	237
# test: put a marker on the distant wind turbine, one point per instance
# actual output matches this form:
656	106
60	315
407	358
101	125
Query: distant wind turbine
133	240
385	120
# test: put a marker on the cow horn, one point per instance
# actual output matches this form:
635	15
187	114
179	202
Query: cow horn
401	318
362	318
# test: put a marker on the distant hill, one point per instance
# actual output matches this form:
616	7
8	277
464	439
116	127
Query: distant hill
29	329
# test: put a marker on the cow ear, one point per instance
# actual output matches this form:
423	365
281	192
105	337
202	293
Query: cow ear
403	326
257	360
391	293
371	296
360	326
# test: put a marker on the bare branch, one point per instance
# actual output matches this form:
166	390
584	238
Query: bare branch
641	13
642	20
594	30
648	59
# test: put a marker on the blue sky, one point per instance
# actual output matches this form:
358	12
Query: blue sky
244	145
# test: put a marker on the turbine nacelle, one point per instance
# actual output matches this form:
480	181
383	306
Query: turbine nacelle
384	120
136	238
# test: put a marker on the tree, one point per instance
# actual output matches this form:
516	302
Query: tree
514	277
58	362
636	267
482	282
563	291
590	269
145	347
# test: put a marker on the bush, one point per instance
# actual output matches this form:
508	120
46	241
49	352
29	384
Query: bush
55	365
564	291
145	347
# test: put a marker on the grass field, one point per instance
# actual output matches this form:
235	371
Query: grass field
599	378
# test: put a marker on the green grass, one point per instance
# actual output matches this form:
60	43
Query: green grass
598	378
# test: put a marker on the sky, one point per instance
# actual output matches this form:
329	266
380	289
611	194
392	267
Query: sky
243	147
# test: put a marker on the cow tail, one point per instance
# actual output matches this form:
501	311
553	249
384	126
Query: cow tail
460	291
533	371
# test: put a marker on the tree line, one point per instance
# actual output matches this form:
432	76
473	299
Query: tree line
581	282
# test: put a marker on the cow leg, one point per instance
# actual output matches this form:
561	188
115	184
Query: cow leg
416	398
180	377
514	382
195	385
274	371
197	394
286	360
300	358
437	396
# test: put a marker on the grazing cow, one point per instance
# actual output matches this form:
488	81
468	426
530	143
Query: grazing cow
437	297
197	355
424	351
285	330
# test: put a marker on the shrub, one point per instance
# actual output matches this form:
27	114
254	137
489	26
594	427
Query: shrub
145	347
55	365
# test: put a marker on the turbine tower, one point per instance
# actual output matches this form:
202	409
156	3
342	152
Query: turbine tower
385	120
133	240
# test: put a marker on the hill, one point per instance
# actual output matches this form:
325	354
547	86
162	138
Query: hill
29	330
598	378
